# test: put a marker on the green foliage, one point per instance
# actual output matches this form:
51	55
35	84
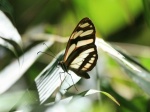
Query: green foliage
7	8
111	15
36	84
146	4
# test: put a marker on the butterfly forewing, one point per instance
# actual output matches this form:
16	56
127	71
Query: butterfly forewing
83	34
81	53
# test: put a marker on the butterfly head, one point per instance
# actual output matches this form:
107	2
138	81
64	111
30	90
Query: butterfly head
62	64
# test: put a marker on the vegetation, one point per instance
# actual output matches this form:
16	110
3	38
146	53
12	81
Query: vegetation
33	36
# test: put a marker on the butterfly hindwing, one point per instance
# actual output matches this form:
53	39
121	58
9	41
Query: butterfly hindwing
81	73
81	53
84	61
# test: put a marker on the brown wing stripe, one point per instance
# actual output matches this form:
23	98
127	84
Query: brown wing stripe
78	51
88	58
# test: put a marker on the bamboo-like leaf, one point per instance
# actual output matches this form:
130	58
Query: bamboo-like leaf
111	97
10	74
77	99
6	7
9	36
136	71
53	77
92	91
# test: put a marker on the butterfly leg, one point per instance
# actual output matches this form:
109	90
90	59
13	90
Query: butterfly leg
73	82
64	78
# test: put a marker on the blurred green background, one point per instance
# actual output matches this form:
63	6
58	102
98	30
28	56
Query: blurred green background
117	21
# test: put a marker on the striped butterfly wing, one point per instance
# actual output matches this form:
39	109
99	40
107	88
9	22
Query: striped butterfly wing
81	53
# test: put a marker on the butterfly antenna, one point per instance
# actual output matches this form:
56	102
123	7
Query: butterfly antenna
49	50
46	54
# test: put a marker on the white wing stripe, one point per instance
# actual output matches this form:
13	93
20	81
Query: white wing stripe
87	65
84	69
84	42
88	32
76	34
75	66
72	47
91	61
84	25
82	56
77	60
88	51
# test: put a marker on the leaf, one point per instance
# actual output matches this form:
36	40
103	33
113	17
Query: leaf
53	77
12	100
92	91
11	73
9	36
6	7
111	97
136	71
78	101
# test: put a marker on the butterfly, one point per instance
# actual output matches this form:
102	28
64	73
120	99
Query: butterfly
81	52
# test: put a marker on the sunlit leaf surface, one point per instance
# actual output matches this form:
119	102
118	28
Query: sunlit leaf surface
8	32
10	74
75	103
136	72
53	77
